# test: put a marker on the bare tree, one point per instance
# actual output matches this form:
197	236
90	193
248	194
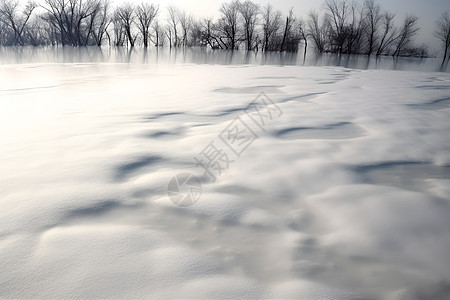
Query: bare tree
271	26
372	19
72	20
353	30
90	11
119	30
443	32
17	22
173	26
208	34
186	22
37	32
389	32
249	12
169	34
102	22
146	13
126	18
422	50
337	13
302	33
195	37
343	27
228	24
288	30
57	19
97	22
158	37
408	30
317	31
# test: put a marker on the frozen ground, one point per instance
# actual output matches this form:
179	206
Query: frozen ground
345	195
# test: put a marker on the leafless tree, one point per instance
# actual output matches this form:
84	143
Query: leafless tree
343	27
14	20
37	32
72	19
102	22
87	29
389	32
55	16
169	34
337	12
118	30
443	32
228	24
317	31
354	29
419	51
288	34
158	36
186	22
372	21
195	37
172	30
208	35
422	50
126	17
407	32
303	34
97	22
271	27
249	12
146	13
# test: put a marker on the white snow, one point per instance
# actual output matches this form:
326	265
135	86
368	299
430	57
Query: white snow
344	196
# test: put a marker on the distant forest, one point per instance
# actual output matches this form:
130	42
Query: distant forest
340	27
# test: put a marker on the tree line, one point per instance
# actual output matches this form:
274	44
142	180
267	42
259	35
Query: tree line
342	26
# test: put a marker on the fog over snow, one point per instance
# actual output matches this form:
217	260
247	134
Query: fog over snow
343	194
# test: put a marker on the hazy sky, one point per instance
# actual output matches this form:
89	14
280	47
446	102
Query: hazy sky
427	11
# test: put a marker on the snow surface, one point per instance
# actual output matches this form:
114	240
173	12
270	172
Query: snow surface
346	195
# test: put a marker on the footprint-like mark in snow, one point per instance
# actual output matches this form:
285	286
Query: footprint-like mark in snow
132	168
276	77
433	105
342	130
227	112
327	81
433	87
164	134
251	90
162	115
408	175
302	97
434	79
24	89
97	208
